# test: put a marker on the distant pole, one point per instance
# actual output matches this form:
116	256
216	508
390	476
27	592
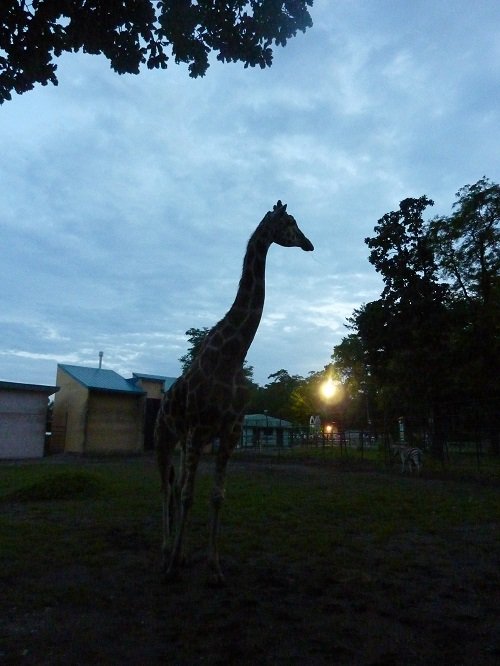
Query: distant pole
267	426
101	354
401	421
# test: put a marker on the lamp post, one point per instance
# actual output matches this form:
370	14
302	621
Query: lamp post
328	391
329	431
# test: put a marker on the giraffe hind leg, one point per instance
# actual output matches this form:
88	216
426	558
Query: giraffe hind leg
165	444
168	512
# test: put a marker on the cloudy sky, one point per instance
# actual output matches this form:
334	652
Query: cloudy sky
126	202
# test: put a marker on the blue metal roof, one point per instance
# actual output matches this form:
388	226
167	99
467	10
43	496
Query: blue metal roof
99	379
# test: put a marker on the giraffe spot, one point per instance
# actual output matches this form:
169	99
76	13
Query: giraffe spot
231	347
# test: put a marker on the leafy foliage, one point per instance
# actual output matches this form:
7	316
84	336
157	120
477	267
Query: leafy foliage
468	246
195	338
349	360
432	338
275	396
135	33
404	334
468	242
402	253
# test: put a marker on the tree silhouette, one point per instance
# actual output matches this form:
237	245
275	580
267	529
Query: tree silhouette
134	33
467	246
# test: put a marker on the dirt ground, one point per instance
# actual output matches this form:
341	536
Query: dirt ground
441	610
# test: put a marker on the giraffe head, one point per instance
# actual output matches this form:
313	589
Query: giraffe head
284	229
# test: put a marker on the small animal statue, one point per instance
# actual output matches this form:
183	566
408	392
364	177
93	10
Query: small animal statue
411	457
208	400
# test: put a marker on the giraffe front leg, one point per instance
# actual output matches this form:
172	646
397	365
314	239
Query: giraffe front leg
218	496
215	571
166	493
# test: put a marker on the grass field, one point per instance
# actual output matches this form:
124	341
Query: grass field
328	562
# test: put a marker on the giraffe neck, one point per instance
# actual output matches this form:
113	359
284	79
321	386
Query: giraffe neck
242	320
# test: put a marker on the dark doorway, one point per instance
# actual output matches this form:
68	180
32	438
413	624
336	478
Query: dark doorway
152	407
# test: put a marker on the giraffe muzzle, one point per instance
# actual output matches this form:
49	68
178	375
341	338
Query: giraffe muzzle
307	245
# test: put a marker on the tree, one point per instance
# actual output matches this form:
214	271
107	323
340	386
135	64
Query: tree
467	243
402	252
307	399
467	246
405	333
195	338
349	360
134	33
275	396
428	349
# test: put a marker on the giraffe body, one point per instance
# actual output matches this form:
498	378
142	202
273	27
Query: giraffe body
208	400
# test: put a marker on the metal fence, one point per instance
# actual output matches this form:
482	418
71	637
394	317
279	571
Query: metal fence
351	441
462	448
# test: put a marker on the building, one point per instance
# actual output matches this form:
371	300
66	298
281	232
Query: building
97	411
23	419
260	430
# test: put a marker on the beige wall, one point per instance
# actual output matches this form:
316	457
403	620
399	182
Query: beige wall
152	388
95	421
115	423
69	416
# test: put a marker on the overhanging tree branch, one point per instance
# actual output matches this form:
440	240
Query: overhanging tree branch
134	33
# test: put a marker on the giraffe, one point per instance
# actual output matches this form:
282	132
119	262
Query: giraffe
209	399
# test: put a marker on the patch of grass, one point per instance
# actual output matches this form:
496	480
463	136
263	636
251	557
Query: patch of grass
52	515
315	455
59	485
317	513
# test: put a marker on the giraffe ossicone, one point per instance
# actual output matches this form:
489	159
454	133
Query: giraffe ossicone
208	400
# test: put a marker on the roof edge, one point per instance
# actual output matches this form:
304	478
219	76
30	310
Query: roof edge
20	386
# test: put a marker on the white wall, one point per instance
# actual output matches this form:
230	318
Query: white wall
22	423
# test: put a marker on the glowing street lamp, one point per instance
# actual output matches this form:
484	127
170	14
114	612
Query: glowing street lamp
331	392
328	388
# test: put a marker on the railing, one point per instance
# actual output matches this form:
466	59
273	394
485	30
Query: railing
468	455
